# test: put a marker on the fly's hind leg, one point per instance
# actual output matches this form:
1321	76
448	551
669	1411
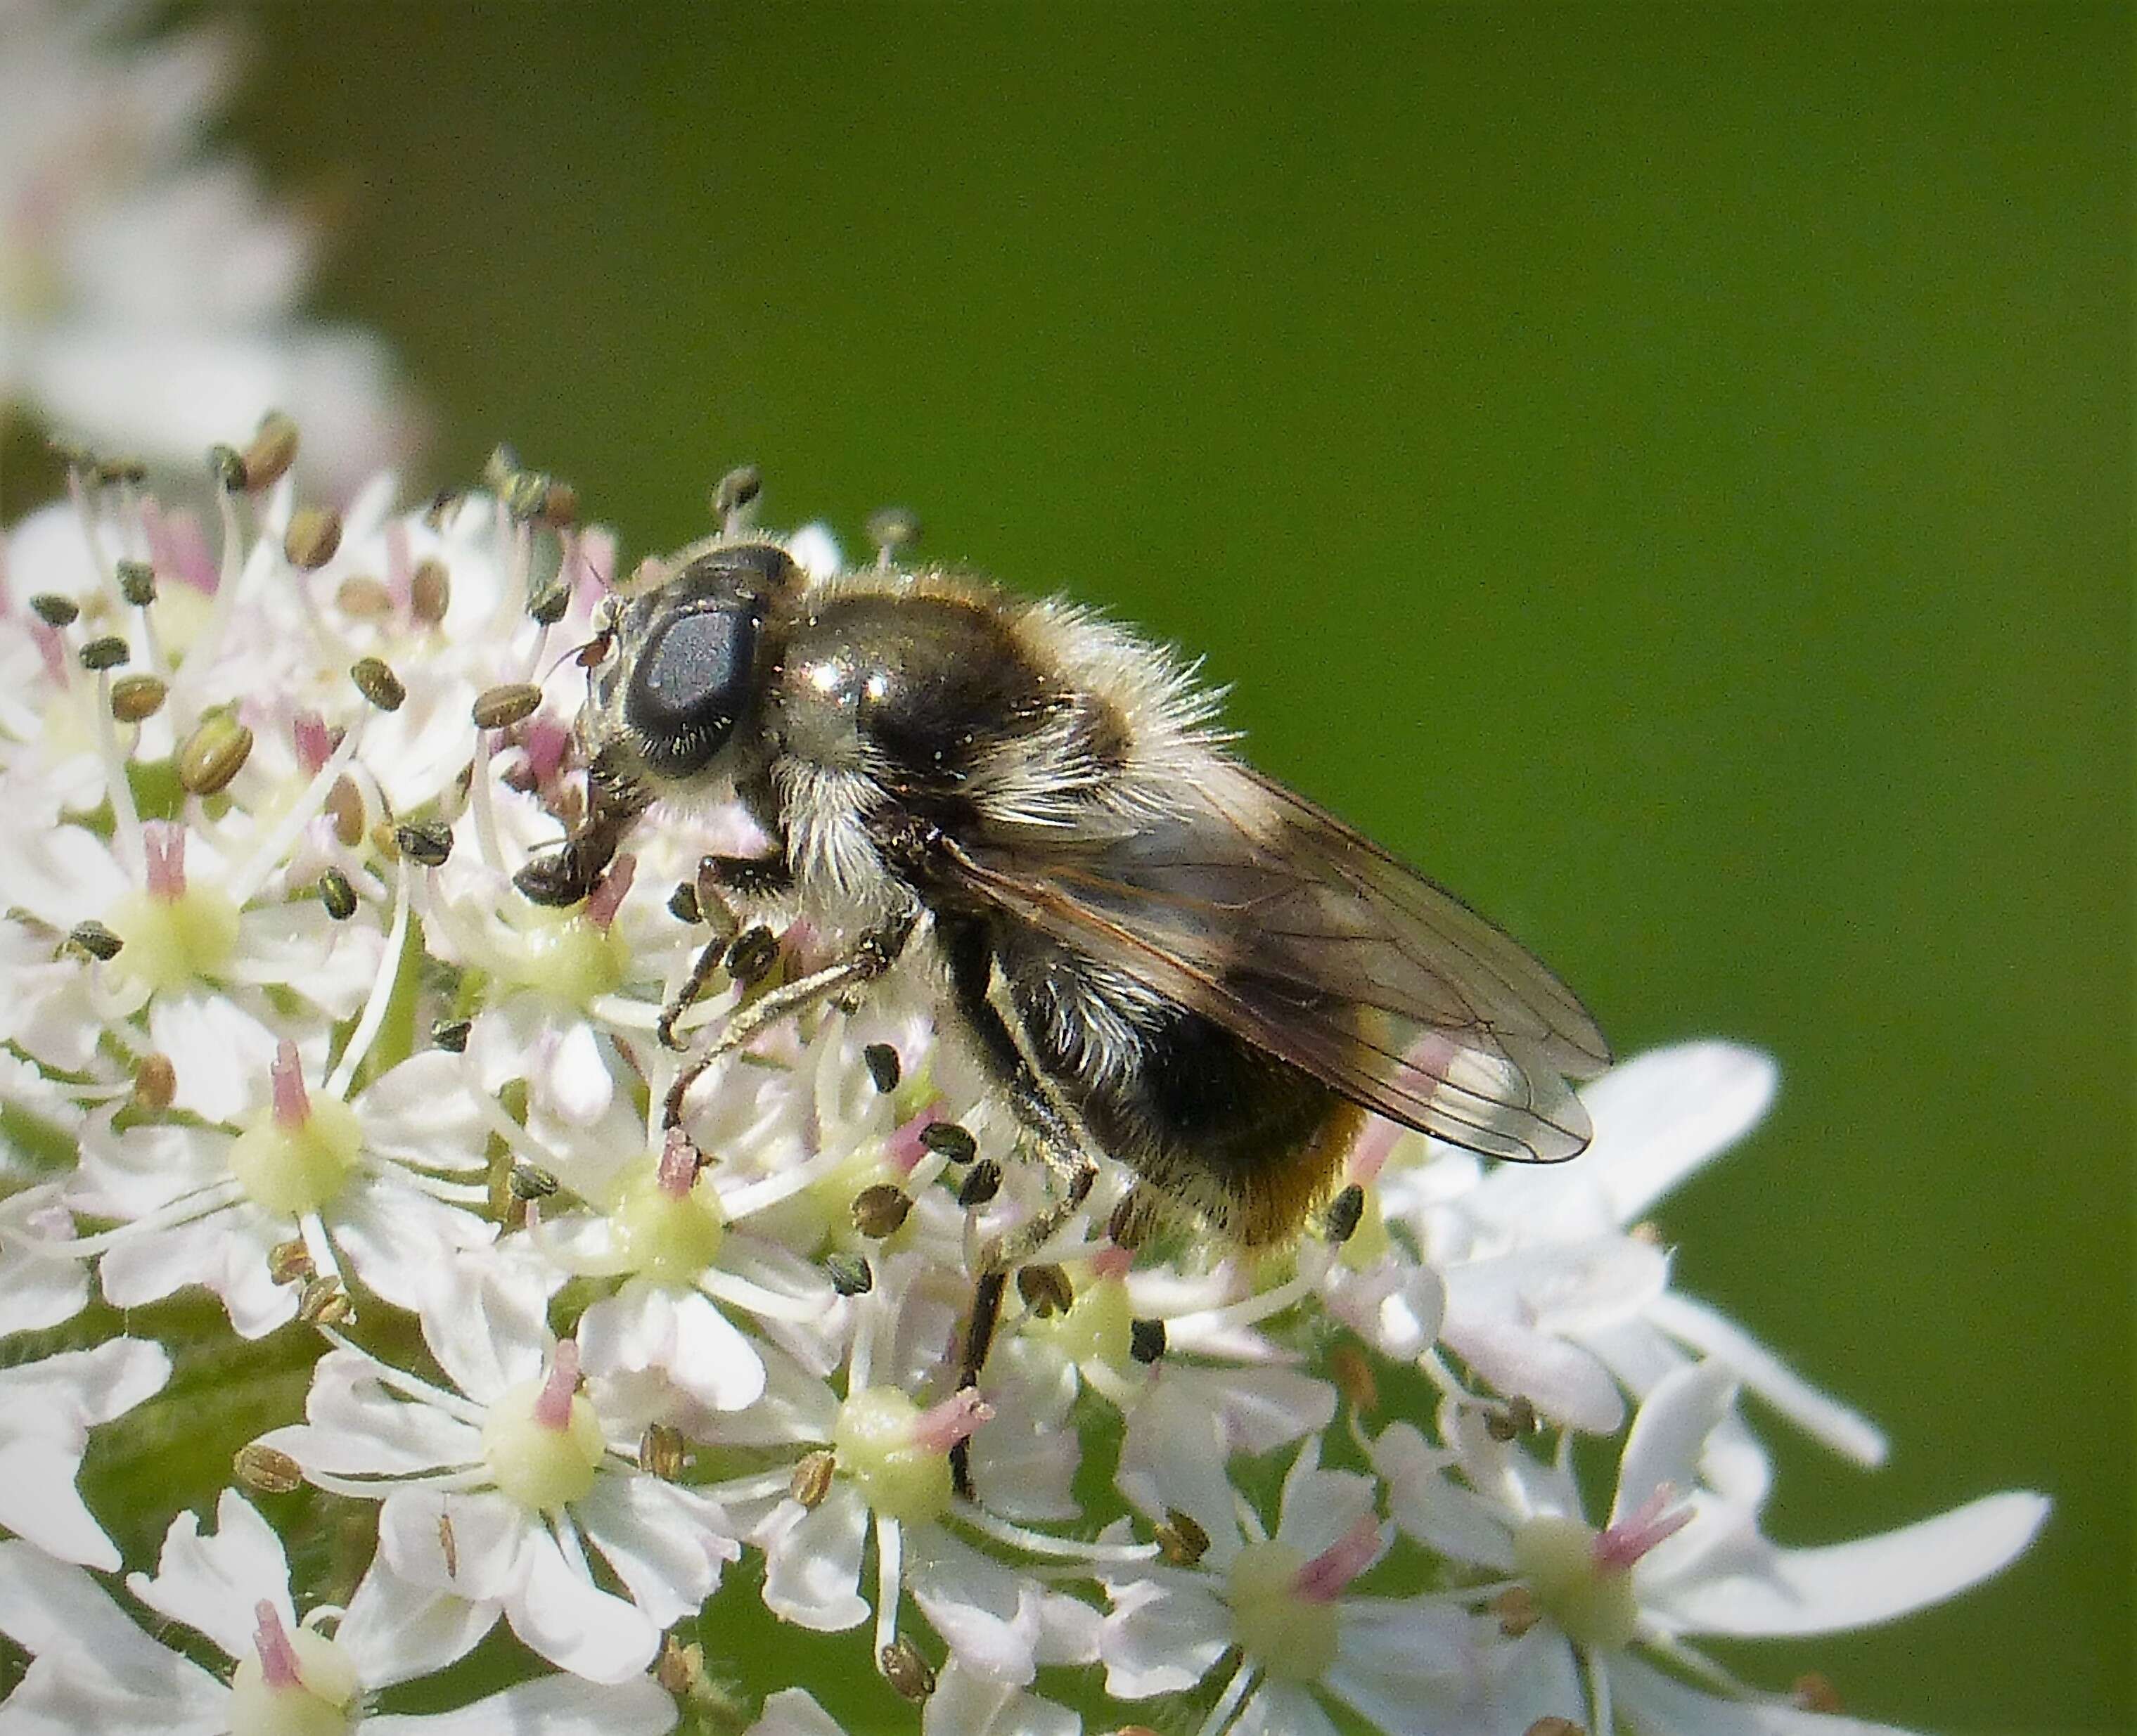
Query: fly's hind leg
873	954
753	877
1057	1137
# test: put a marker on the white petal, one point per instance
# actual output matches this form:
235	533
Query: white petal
1282	1708
1665	1708
1874	1579
987	1615
577	1083
794	1712
966	1704
1161	1638
1818	1414
493	1541
212	1584
812	1561
394	1630
1663	1451
1403	1662
38	1501
397	1236
553	1706
220	1053
572	1622
487	1323
57	1611
667	1544
355	1427
680	1333
1664	1115
1562	1381
1429	1505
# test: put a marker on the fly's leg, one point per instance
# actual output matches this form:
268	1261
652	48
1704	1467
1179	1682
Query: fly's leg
873	954
752	877
613	803
1058	1139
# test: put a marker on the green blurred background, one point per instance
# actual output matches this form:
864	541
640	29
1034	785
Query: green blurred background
1666	472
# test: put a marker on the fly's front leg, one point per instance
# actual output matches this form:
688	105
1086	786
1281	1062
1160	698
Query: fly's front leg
750	876
614	802
872	955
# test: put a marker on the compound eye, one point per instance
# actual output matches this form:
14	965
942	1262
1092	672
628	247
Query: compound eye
689	684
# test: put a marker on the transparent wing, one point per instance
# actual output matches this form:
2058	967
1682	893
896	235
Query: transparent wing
1272	917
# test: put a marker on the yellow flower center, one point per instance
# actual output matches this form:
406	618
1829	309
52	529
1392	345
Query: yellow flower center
321	1702
295	1170
568	960
668	1239
1591	1603
170	942
874	1440
1098	1327
1293	1638
541	1467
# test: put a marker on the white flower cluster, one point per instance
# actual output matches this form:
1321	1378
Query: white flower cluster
149	288
277	1027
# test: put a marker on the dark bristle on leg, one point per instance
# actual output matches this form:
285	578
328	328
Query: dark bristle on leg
978	1339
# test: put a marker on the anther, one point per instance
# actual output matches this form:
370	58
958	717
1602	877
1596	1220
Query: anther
1146	1340
981	1183
290	1262
500	708
884	1071
344	806
849	1274
1551	1724
451	1034
1180	1539
93	939
227	465
106	652
1354	1378
337	895
266	1470
1816	1693
1045	1289
736	492
136	699
448	1545
364	598
213	754
892	530
947	1139
530	1181
549	605
683	903
879	1210
430	592
323	1303
680	1670
273	450
54	611
908	1673
137	582
1516	1610
660	1451
314	535
1344	1211
811	1480
427	843
377	681
1517	1419
155	1081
